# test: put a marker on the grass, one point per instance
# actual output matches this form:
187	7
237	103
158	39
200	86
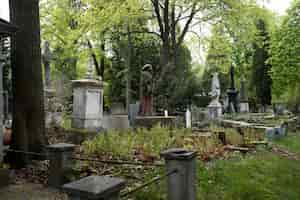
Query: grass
262	175
291	143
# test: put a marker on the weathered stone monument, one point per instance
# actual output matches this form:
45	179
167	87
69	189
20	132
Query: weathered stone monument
244	103
232	94
88	102
188	118
215	107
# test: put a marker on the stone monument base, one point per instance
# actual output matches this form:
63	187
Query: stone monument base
244	107
88	124
214	110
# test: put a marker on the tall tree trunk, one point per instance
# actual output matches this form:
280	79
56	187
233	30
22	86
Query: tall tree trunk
128	80
28	97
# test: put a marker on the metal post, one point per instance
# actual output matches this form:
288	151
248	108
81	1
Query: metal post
181	185
60	163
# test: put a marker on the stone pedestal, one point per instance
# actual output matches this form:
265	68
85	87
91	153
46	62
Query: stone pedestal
244	107
95	188
214	110
87	104
182	184
60	163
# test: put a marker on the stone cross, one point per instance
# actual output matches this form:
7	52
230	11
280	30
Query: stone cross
47	57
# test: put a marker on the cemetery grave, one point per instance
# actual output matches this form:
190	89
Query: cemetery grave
158	100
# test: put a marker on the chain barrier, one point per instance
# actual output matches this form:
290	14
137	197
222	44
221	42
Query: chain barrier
24	152
118	162
148	183
112	162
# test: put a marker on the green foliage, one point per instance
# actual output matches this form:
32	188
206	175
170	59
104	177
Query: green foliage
285	57
123	144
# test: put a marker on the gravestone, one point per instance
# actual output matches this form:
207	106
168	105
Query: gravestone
215	107
232	94
134	110
87	102
188	118
244	103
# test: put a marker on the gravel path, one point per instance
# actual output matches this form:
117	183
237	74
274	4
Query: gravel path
30	191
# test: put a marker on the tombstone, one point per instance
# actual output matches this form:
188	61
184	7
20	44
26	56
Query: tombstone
134	110
118	109
46	57
188	119
279	108
215	107
244	102
87	102
232	94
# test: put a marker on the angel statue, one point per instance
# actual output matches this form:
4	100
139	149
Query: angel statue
215	88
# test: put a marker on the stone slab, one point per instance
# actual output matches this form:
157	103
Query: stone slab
61	147
116	122
178	154
94	187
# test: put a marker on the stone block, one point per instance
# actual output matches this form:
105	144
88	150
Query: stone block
214	112
244	107
95	188
4	177
87	105
116	122
182	184
60	163
151	121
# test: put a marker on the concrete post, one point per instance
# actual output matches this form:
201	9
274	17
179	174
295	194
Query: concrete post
95	188
181	185
60	163
188	119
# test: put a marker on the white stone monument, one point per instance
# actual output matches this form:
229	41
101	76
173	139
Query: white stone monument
87	102
215	107
188	118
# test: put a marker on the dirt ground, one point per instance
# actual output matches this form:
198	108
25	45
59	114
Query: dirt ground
30	191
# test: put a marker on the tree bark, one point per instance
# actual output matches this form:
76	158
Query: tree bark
128	80
28	97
